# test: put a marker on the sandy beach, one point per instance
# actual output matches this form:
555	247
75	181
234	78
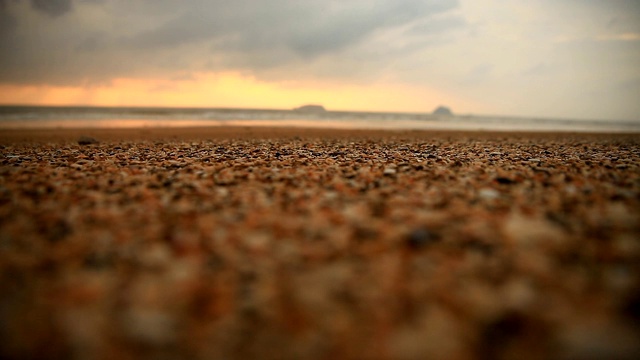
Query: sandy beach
287	243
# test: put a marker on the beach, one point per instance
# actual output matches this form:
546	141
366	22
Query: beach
292	243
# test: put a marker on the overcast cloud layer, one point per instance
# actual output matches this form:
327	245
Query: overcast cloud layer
571	58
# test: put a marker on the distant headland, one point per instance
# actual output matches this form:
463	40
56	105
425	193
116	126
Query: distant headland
442	110
310	108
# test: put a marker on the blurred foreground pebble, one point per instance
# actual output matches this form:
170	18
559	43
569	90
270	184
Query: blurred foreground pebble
397	246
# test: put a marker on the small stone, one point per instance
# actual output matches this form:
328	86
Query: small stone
488	194
542	169
500	331
158	256
598	340
518	294
389	172
149	326
504	180
631	307
419	238
86	140
98	261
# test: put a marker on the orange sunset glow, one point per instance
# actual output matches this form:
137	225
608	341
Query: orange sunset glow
234	91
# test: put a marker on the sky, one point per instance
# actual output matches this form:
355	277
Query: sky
576	59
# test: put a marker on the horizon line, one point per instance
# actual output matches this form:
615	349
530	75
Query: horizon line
454	114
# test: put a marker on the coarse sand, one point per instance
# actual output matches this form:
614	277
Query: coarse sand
288	243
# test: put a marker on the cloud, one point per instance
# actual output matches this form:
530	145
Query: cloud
8	22
538	69
101	40
52	7
479	74
309	28
510	56
619	37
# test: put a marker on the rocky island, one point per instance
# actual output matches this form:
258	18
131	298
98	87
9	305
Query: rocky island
442	110
310	108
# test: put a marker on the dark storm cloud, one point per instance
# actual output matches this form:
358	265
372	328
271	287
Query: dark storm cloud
52	7
308	27
350	26
134	38
7	22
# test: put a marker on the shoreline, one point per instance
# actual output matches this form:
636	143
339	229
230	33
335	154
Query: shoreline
260	132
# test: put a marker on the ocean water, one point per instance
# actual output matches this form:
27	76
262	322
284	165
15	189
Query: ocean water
25	117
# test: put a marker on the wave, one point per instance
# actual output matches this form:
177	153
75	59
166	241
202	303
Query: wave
76	116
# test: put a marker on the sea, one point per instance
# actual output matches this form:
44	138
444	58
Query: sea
47	117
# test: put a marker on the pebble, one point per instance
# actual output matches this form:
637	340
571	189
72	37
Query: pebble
420	237
488	194
149	327
389	171
87	140
597	339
